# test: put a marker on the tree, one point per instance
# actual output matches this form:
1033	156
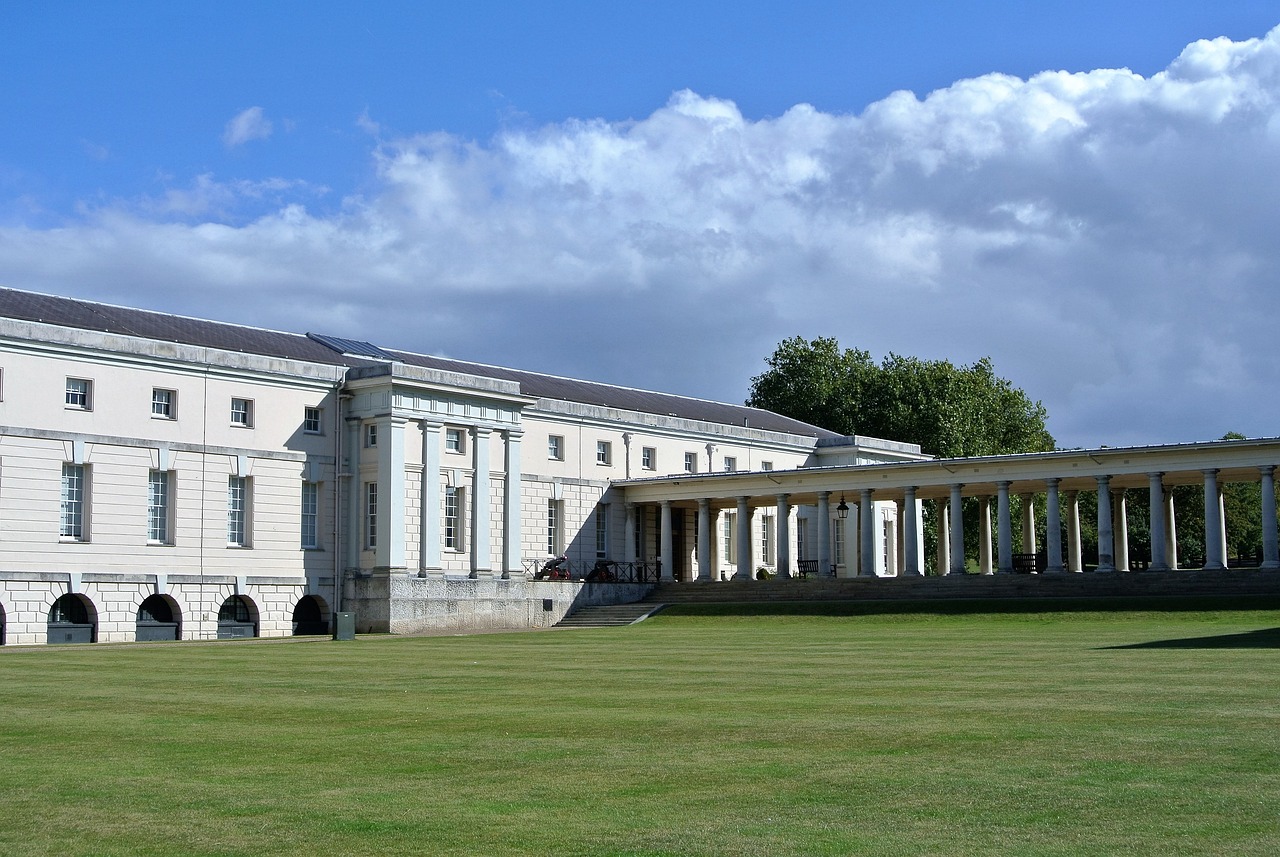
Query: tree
950	411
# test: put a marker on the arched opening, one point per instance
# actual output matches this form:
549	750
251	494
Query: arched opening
237	617
310	616
1	624
159	618
72	619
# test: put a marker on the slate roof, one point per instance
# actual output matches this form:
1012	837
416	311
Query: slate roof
147	324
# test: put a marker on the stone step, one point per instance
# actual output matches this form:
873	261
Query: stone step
611	616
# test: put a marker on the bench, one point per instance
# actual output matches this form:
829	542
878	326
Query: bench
806	567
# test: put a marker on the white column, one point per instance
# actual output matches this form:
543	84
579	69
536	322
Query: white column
824	534
1214	556
867	533
1270	543
429	513
704	540
782	536
1106	541
910	534
1075	558
1222	523
1053	528
1171	529
1155	491
944	537
1004	551
1121	524
985	565
355	496
1028	523
390	550
481	563
957	530
629	535
665	547
745	562
511	520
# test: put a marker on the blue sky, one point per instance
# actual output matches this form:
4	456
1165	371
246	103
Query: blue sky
637	193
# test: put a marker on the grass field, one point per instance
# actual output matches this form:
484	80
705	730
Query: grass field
1062	733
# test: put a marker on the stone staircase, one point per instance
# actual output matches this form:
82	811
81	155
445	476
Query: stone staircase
608	616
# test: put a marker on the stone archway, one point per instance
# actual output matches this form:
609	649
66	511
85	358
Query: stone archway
310	616
159	618
72	619
237	618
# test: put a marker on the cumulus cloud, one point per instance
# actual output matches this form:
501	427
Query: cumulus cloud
1108	239
247	125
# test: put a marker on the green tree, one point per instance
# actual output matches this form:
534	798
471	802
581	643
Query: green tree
949	410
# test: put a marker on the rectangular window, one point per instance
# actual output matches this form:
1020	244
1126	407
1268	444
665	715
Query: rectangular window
766	465
649	458
242	412
371	435
453	441
74	490
730	522
370	515
604	452
164	403
602	531
312	420
310	514
159	507
237	511
802	525
837	542
730	464
555	447
691	462
453	509
766	539
80	394
553	527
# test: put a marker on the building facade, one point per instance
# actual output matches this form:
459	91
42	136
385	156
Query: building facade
171	478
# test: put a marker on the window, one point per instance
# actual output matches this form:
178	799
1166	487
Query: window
730	520
837	541
802	550
242	412
555	447
553	527
74	489
766	539
766	465
158	507
602	531
310	514
164	404
730	464
649	458
453	519
604	452
371	435
237	511
691	462
370	515
453	441
80	394
312	420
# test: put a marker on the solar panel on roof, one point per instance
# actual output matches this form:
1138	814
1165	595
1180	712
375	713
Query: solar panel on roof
353	347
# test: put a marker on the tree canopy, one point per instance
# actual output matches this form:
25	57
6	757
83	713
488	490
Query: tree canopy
949	410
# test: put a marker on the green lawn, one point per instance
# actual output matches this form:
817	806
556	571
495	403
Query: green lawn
1056	733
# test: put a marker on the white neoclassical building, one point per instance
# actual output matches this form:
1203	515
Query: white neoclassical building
172	478
165	477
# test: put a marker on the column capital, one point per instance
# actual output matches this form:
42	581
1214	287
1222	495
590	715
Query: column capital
1267	469
513	433
482	431
1052	481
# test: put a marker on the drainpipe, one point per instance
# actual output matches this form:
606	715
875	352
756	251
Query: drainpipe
339	474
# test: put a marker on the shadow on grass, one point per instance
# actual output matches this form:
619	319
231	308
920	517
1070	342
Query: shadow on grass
1267	638
963	606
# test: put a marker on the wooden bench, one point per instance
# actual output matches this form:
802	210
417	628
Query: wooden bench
806	567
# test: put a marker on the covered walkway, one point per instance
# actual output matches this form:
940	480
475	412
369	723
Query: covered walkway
879	508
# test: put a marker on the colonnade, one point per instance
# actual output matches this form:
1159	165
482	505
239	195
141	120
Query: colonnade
900	553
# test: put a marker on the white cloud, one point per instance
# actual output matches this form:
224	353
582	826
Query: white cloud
247	125
1108	239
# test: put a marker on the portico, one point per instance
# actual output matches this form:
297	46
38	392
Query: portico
889	498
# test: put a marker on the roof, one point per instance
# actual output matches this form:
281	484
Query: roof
317	348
